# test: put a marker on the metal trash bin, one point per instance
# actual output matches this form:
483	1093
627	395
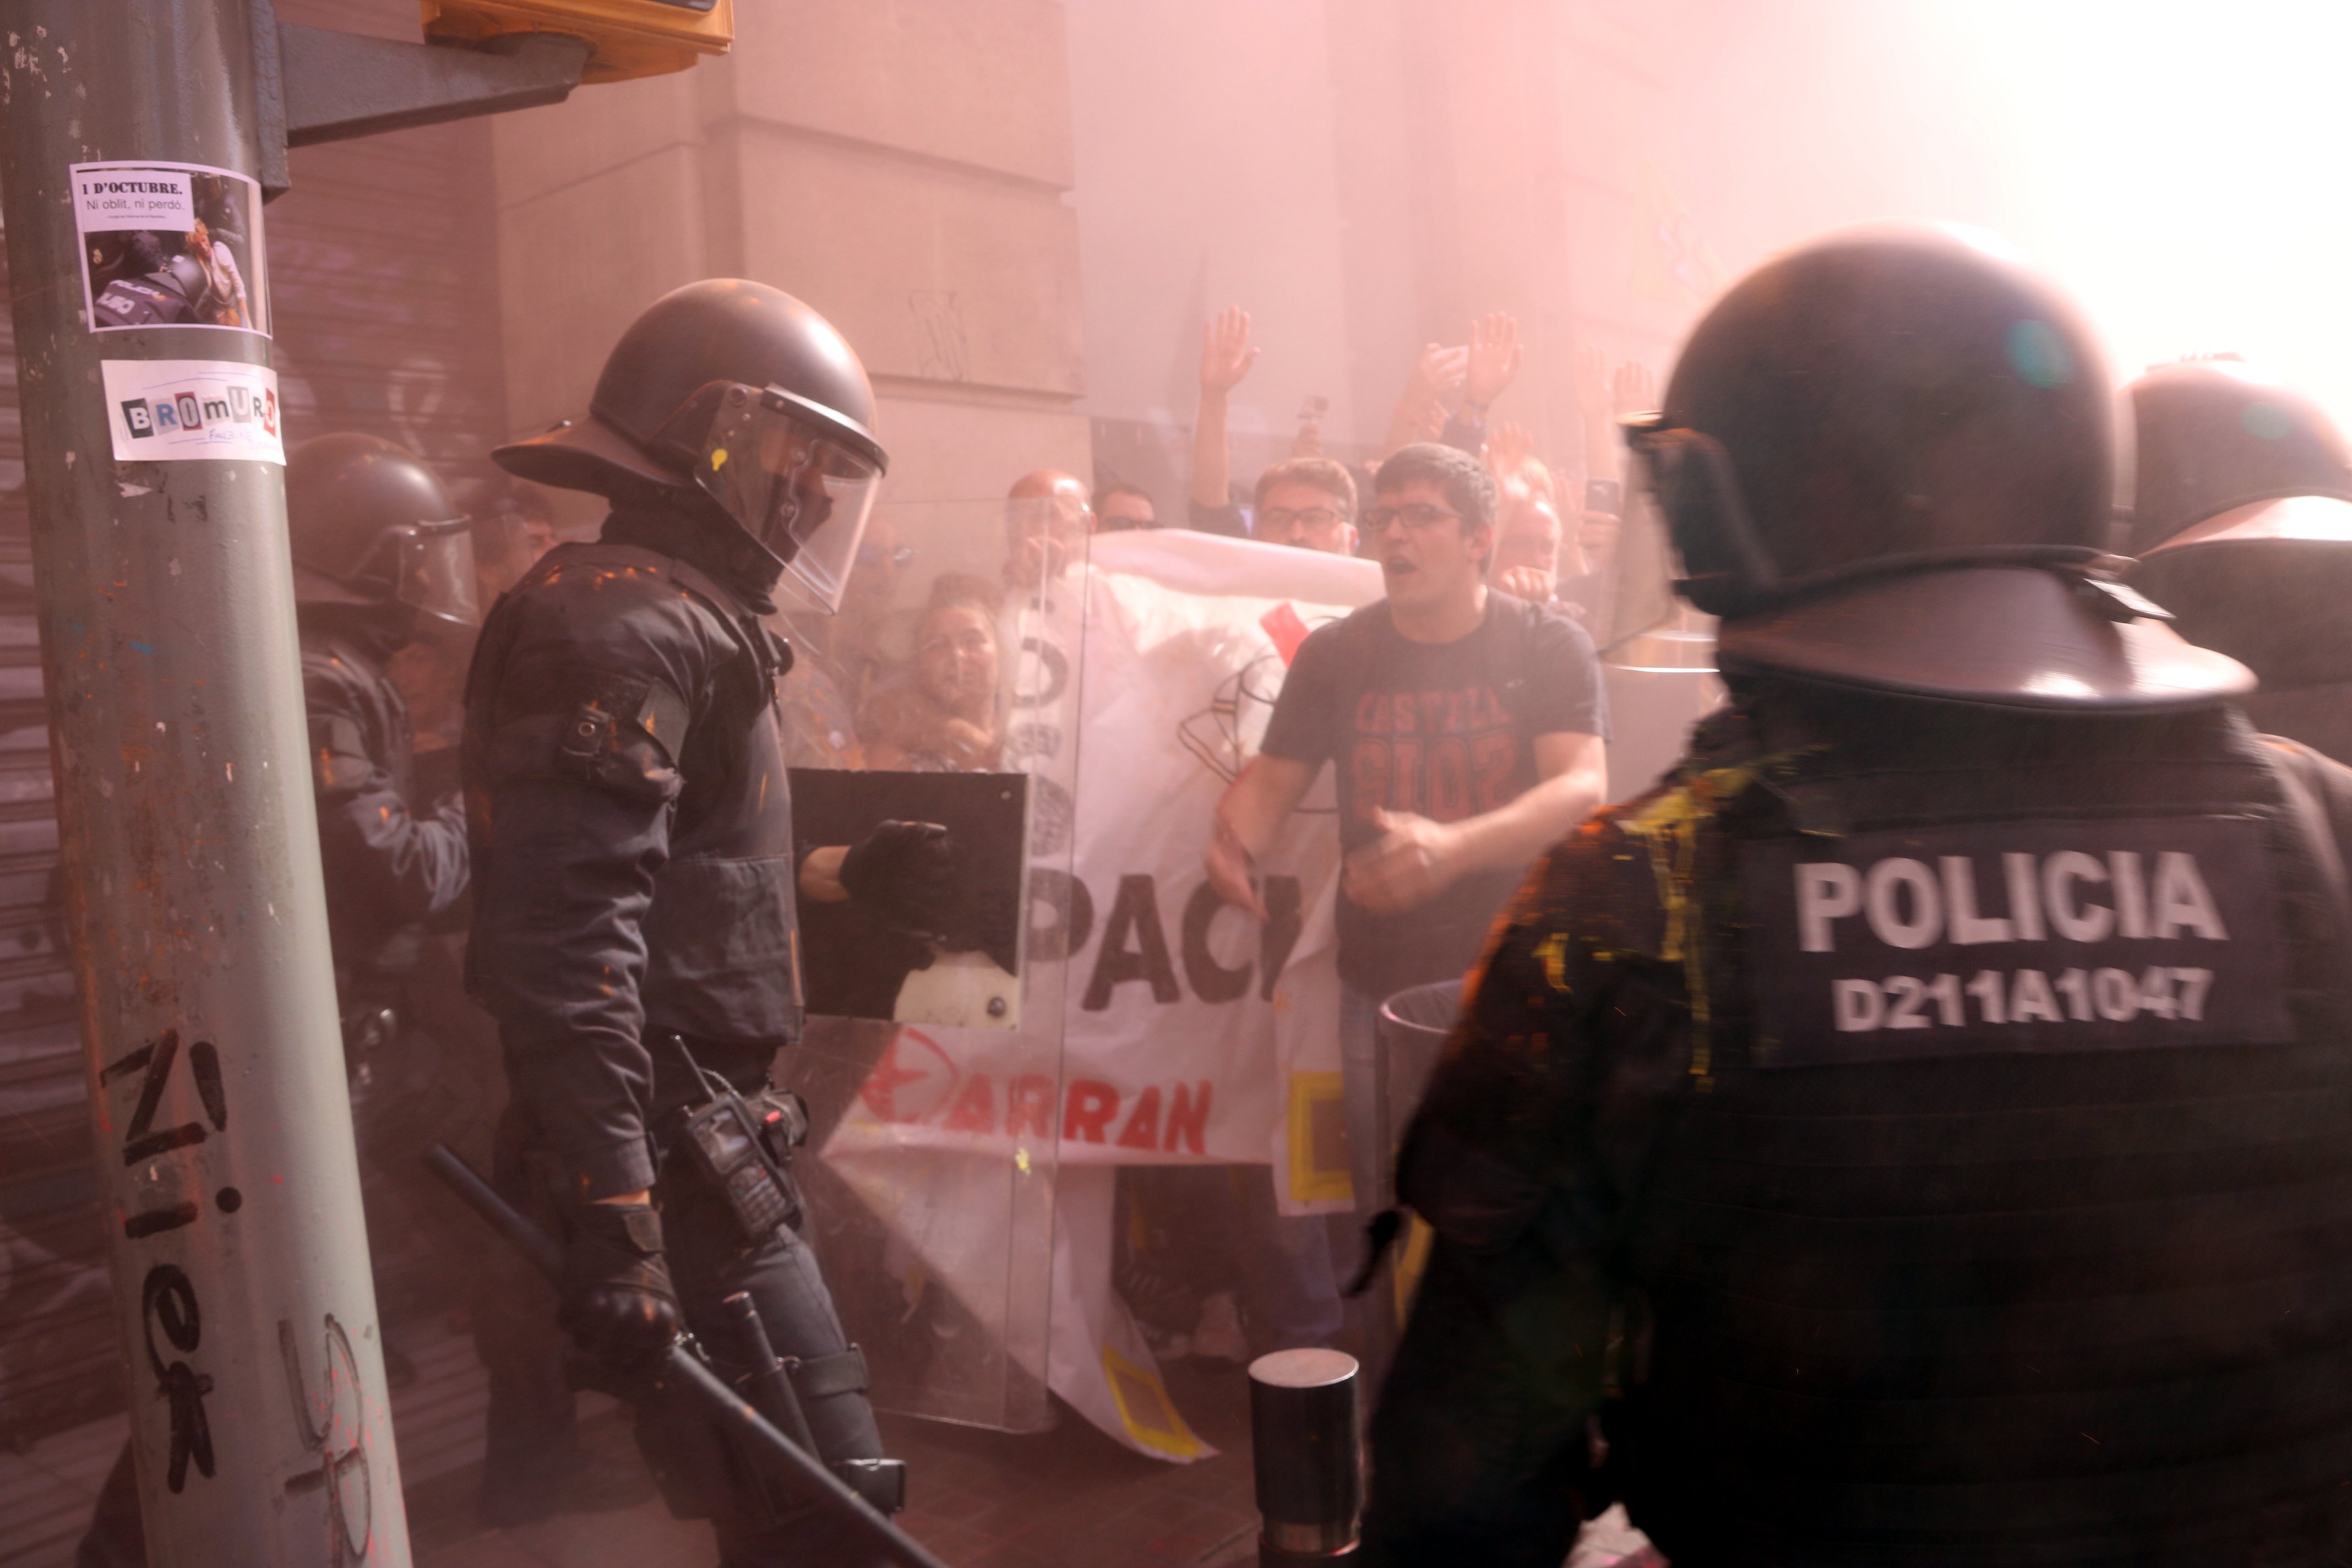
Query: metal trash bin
1414	1028
1414	1023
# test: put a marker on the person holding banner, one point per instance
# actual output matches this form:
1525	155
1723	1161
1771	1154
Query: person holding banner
1466	727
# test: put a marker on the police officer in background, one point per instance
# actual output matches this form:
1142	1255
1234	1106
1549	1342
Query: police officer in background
1914	1128
635	868
381	559
2243	524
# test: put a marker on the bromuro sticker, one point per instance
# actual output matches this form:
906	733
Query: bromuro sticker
165	410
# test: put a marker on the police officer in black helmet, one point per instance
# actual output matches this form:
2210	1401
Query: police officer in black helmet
636	870
2243	526
381	559
1912	1132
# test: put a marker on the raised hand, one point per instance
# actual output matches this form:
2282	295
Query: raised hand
1226	352
1509	448
1493	358
1437	372
1420	411
1633	389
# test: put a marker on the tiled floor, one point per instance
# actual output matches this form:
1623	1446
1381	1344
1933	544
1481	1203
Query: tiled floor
979	1500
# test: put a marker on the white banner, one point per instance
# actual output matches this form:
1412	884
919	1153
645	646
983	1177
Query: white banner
1193	1032
164	410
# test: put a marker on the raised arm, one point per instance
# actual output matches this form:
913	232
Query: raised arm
1226	355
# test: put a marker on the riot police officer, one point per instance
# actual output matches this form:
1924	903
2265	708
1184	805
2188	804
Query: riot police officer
1911	1128
2243	521
381	559
635	868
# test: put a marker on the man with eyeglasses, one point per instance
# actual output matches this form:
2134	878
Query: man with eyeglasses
1466	727
1305	502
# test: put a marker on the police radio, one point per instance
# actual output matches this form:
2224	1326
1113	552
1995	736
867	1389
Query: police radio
742	1148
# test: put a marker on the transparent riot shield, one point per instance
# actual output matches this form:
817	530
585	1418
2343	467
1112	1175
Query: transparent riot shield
946	690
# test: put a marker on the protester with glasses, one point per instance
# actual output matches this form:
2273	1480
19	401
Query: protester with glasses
1305	502
1123	507
1466	727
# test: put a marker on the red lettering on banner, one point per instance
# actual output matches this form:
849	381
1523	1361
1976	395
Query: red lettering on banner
1188	1118
975	1108
1142	1129
911	1081
1029	1106
1089	1106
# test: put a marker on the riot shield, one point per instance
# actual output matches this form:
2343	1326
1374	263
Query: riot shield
945	690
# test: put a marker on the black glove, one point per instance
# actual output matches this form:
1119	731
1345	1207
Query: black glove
904	874
618	1301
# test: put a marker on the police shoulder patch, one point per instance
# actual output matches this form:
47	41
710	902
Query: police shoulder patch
2098	934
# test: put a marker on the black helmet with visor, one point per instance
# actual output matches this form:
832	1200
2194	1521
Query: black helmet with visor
745	393
371	526
1890	460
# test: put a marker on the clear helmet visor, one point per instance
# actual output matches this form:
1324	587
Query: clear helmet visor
798	488
1648	626
433	571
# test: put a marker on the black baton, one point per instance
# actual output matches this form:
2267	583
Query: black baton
679	1367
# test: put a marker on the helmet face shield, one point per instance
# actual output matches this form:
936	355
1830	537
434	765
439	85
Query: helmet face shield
797	487
435	571
428	566
1648	625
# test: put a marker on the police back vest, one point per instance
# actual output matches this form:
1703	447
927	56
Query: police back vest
161	299
2008	1217
721	961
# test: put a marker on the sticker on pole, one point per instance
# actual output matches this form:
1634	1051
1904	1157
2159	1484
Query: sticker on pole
165	410
170	244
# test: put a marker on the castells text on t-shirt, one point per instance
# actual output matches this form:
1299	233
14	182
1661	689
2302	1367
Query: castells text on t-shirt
1444	731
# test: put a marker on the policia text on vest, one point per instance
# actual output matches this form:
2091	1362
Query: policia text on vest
2016	936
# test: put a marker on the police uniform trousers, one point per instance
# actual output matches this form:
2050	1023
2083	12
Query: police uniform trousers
759	1522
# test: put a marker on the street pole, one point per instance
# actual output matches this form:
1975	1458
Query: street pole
228	1186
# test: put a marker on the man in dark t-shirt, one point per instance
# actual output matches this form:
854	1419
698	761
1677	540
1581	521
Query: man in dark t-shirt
1467	729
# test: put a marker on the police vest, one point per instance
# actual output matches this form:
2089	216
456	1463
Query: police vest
2010	1219
721	962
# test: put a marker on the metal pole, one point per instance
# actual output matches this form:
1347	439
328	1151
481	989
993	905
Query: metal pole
230	1194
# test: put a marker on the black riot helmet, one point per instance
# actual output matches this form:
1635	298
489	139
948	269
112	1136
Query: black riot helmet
743	393
2245	520
2218	434
1888	460
372	526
